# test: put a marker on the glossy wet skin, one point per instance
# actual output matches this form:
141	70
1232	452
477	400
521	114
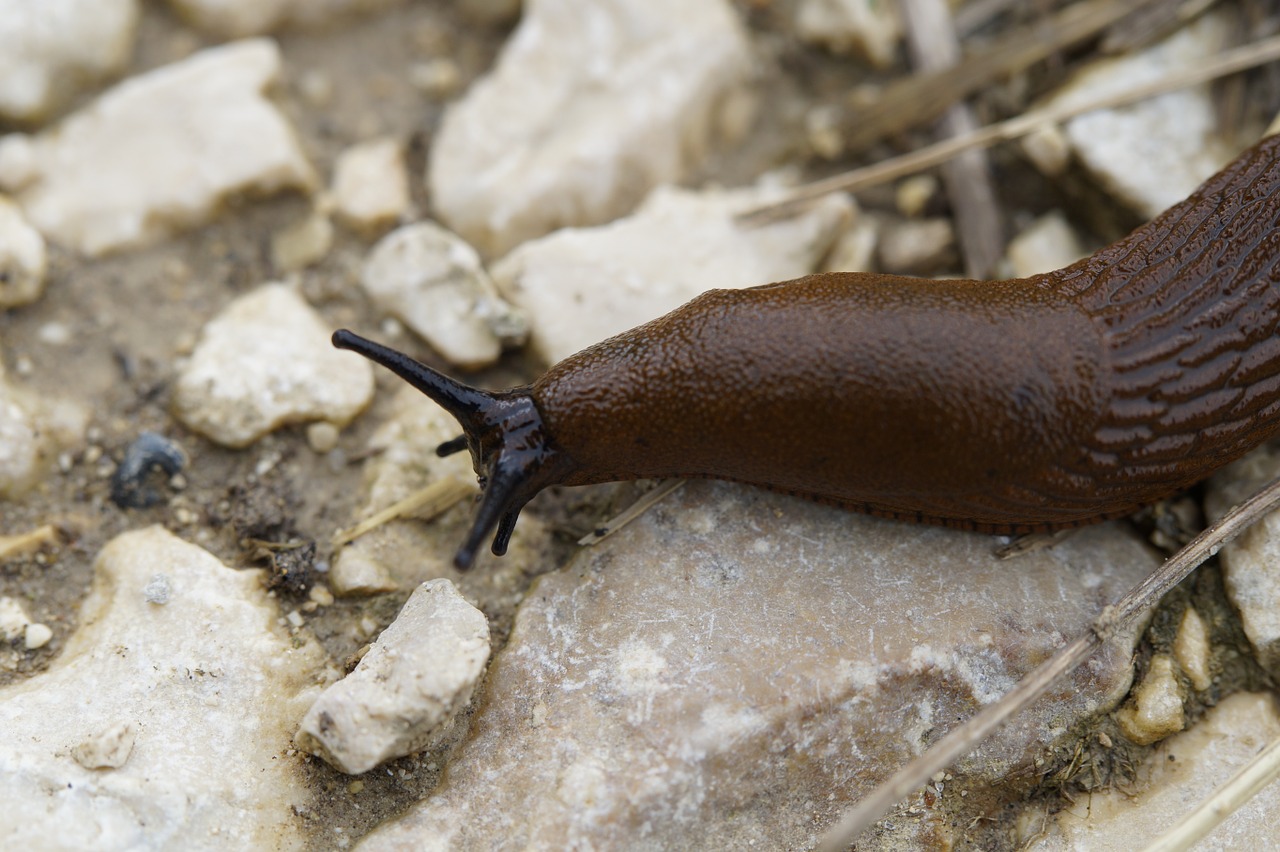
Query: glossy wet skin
1013	406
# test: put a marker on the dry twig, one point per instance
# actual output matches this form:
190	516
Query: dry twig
1229	62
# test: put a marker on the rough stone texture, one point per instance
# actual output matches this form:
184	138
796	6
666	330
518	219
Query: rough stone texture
869	29
1047	244
302	243
1251	563
916	246
581	286
371	184
1155	710
266	361
13	619
408	687
591	104
256	17
432	281
32	431
736	667
1152	154
22	258
193	700
403	554
53	47
1191	648
1178	775
158	152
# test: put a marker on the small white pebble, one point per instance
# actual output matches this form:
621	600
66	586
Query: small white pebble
158	589
13	619
37	636
316	87
54	333
295	618
322	437
436	78
302	244
914	193
321	595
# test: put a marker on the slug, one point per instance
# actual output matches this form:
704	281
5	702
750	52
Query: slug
1000	406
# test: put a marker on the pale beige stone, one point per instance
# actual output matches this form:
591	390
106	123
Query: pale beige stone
302	243
266	361
1152	154
1251	562
870	29
159	152
1156	710
23	263
1180	773
1047	244
408	688
208	687
52	48
580	286
371	184
591	104
33	430
1191	648
433	281
257	17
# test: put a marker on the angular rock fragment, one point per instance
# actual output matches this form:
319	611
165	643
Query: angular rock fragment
263	362
160	726
591	104
408	687
579	286
53	47
158	153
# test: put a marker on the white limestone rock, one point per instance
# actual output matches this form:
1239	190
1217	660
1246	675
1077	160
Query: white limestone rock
869	29
239	18
1180	773
1193	650
264	362
13	619
1046	244
1156	709
158	153
591	104
738	667
1152	154
916	246
54	47
1251	563
160	726
371	184
433	282
33	429
408	688
23	263
579	286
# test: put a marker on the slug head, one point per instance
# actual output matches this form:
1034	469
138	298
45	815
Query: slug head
512	454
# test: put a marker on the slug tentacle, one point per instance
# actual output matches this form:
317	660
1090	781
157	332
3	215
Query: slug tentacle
511	451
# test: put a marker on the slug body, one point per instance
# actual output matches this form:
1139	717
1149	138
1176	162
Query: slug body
1010	406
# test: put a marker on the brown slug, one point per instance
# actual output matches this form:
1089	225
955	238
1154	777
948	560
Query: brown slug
1002	406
